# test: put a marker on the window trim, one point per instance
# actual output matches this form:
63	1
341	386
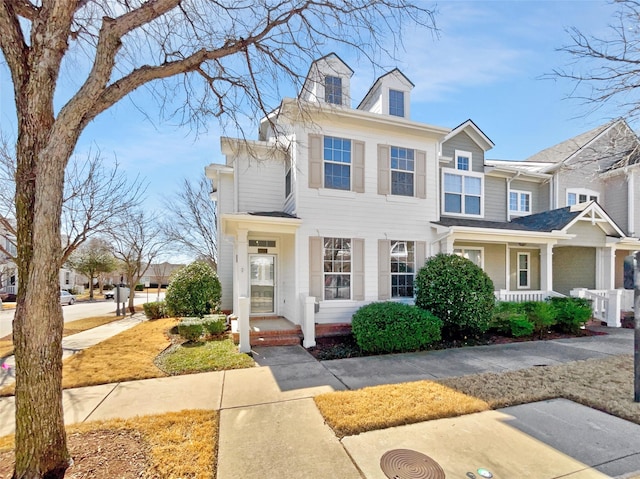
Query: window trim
325	273
403	102
333	90
519	211
518	270
464	154
581	191
325	161
462	250
412	172
392	274
463	173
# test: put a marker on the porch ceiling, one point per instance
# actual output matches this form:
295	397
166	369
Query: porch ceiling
259	222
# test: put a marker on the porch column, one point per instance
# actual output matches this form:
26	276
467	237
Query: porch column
605	268
241	286
546	267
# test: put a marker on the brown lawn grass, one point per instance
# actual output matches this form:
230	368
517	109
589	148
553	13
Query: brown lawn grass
72	327
125	357
604	384
378	407
182	444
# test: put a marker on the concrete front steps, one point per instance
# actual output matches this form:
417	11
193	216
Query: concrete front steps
277	331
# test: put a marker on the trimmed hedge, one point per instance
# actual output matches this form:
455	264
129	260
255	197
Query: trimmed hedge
155	310
458	292
394	327
193	328
194	290
510	319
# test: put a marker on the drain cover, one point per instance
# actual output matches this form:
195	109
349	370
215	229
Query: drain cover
408	464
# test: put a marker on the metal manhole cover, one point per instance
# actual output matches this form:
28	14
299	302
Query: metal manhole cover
408	464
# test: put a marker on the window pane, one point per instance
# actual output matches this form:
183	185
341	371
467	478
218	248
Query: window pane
452	203
396	103
523	279
474	255
337	176
582	198
401	183
513	201
337	267
402	268
525	202
472	205
571	199
463	163
452	183
523	261
333	90
472	185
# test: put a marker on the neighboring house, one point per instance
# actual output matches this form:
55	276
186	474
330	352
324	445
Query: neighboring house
343	205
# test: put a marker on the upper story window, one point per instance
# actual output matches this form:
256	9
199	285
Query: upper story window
333	90
337	163
463	160
402	168
581	195
403	267
519	202
337	268
396	103
287	183
462	192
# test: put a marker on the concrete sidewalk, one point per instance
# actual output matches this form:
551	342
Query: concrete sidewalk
270	427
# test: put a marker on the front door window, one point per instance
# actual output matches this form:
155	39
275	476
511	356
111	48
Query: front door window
262	284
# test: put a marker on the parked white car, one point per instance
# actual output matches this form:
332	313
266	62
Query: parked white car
66	297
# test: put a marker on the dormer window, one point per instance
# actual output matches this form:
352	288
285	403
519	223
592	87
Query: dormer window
463	160
333	90
396	103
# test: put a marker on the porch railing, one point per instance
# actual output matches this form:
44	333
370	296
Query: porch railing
10	289
605	304
528	295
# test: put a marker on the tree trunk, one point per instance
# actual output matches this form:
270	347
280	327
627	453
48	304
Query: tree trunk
41	450
636	336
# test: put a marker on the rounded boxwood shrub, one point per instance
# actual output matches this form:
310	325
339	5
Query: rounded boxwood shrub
458	292
193	290
394	327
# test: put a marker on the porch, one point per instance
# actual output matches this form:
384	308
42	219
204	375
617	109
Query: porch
607	305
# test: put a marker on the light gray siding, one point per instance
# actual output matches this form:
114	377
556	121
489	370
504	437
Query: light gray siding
462	141
616	201
495	199
573	267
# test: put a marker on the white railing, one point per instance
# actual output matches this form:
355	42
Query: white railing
528	295
605	304
10	289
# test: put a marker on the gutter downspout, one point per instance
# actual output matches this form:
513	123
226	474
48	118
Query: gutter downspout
631	216
509	180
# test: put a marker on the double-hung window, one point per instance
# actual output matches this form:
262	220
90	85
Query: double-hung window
580	195
519	202
337	268
402	169
396	103
333	90
403	267
337	163
524	260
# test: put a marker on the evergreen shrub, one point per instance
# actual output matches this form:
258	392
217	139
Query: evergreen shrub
458	292
394	327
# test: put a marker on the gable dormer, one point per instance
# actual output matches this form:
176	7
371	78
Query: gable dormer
389	95
328	81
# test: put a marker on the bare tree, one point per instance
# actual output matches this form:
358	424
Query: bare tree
226	58
192	221
94	194
607	71
161	271
136	244
92	259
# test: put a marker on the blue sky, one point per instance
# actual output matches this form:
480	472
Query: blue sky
486	65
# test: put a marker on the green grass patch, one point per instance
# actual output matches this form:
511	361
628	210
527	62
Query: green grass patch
202	356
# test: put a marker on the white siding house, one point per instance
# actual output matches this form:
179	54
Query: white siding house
344	205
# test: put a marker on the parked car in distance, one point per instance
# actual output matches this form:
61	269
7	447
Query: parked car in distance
110	294
66	297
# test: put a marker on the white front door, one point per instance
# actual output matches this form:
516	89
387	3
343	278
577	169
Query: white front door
263	284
